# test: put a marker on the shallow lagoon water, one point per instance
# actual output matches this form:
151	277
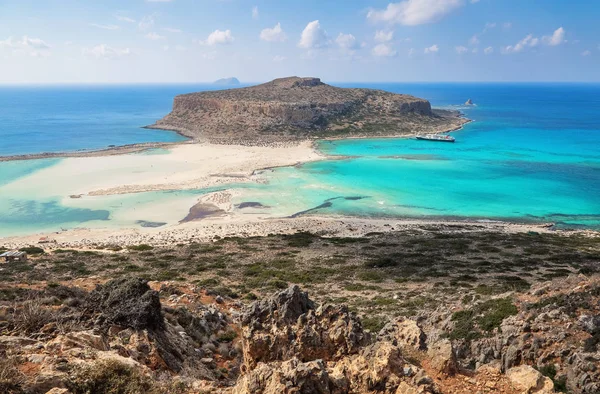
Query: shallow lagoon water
532	154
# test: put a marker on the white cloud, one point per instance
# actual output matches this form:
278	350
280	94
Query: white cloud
586	53
507	25
105	27
347	42
125	19
313	36
146	23
26	45
529	41
35	43
279	58
105	52
219	37
275	34
474	40
432	49
557	38
255	12
461	49
180	48
415	12
383	50
384	36
172	30
411	52
488	50
154	36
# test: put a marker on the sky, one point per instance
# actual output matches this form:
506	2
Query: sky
185	41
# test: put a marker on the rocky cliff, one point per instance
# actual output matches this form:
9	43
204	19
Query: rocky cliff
298	108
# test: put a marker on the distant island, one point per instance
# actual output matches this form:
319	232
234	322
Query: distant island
227	82
295	108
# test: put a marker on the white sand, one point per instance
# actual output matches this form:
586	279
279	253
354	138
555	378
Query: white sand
240	225
188	166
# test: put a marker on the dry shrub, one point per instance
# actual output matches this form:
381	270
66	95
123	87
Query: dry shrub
30	316
108	377
11	379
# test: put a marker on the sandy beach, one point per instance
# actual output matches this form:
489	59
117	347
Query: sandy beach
182	167
238	225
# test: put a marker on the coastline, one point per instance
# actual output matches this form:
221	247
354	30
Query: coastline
211	228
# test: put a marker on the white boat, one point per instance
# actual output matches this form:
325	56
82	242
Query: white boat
436	137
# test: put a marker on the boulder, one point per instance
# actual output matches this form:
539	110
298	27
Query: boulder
529	380
404	333
292	376
443	357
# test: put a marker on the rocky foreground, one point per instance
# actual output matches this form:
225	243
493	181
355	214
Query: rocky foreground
429	310
128	337
291	109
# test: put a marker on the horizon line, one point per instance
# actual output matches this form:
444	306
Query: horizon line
248	83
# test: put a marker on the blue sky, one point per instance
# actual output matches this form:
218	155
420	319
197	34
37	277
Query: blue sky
136	41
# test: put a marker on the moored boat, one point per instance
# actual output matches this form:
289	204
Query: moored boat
436	137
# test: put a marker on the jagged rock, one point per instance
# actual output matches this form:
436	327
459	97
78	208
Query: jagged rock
287	377
403	333
530	380
127	302
591	324
287	325
443	357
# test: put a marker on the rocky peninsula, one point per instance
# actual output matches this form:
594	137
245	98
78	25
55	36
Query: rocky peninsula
292	109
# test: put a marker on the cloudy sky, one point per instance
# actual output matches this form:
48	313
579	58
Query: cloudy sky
135	41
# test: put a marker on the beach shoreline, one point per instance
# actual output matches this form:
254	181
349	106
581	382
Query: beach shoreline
222	226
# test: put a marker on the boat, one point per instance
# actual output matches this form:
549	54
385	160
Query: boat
436	137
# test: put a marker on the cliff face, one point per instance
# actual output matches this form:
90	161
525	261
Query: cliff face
298	108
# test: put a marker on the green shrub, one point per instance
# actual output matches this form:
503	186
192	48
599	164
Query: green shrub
228	336
494	312
373	324
32	250
140	248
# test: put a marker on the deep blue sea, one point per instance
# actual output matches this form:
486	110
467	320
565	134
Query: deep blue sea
531	154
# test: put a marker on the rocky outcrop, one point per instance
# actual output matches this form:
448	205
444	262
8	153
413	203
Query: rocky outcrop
291	345
288	324
298	108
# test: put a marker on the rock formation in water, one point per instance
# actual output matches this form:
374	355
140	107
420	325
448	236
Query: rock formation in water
227	81
298	108
469	102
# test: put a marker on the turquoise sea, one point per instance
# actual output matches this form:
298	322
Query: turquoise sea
532	154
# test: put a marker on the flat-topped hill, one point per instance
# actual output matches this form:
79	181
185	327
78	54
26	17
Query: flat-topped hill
299	108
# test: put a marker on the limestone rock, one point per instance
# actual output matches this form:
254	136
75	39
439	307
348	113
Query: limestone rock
530	380
404	333
443	357
287	325
292	376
